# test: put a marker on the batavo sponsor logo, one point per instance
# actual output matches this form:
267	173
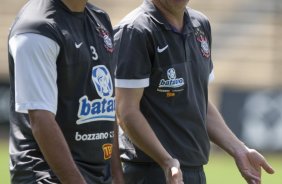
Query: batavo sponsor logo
98	109
172	81
108	150
94	136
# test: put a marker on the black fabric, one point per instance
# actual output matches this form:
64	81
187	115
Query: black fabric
86	108
178	65
139	173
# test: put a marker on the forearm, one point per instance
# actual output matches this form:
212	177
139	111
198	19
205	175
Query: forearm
54	147
140	133
220	133
249	161
116	168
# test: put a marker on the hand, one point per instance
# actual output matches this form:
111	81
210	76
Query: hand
249	163
173	172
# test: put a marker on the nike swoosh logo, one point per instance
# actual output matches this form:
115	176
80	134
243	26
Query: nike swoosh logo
160	50
78	45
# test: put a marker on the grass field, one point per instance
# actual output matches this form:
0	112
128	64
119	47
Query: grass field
220	170
4	163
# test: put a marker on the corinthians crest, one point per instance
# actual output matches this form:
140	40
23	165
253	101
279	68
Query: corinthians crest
204	45
201	38
108	44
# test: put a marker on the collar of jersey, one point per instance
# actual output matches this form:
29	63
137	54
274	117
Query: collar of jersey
88	7
62	5
155	14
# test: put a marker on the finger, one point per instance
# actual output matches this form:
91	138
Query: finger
176	175
263	163
267	167
253	182
174	171
251	177
256	171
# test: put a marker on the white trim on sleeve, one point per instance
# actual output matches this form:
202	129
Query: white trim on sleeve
35	72
132	83
24	107
211	76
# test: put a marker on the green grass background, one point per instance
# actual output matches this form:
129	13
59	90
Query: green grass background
4	163
220	170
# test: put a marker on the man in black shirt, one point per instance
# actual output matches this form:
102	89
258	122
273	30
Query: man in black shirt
163	54
62	95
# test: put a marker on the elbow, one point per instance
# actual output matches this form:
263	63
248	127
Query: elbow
39	119
122	117
125	116
35	117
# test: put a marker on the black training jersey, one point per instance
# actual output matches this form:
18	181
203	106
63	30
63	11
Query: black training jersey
174	68
86	103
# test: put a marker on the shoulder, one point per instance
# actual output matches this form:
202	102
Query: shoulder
137	20
100	14
199	19
97	11
94	8
38	19
195	14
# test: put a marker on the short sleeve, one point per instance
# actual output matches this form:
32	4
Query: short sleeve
211	76
207	28
35	72
132	57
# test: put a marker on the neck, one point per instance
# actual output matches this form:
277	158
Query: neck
173	14
75	5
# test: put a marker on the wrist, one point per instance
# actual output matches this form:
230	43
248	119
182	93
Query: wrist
168	163
75	181
238	150
73	177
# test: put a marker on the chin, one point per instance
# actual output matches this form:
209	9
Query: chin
182	2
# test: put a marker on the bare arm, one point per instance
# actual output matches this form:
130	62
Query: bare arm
54	147
248	161
220	134
115	161
139	131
